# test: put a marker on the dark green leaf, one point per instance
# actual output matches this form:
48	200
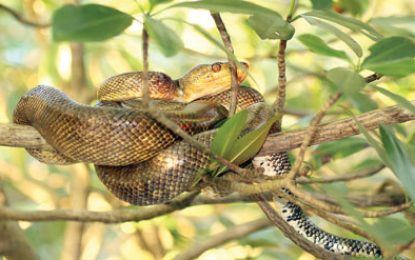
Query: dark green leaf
345	80
90	22
321	4
392	56
317	45
228	133
399	161
268	27
249	145
348	22
398	99
169	42
338	33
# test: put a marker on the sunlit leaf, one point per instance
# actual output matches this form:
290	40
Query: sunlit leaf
398	99
268	27
338	33
392	56
348	22
228	133
321	4
169	42
317	45
399	160
89	22
346	80
157	2
348	146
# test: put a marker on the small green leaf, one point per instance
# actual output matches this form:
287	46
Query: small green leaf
392	56
269	27
89	22
399	161
317	45
169	42
348	22
346	80
321	4
338	33
398	99
228	133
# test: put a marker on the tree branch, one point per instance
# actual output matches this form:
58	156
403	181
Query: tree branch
26	136
22	19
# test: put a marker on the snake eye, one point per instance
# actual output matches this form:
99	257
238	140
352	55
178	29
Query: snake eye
216	67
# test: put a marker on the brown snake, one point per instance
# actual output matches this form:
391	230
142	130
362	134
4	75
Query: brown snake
137	158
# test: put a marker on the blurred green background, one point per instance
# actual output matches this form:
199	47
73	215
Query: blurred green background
29	57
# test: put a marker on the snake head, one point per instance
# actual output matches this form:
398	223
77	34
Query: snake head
209	79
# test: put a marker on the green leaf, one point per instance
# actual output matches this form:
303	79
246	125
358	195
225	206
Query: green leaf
262	16
157	2
399	161
348	22
338	33
268	27
169	42
89	22
346	80
317	45
355	7
348	146
396	231
321	4
228	133
398	99
362	102
392	56
249	145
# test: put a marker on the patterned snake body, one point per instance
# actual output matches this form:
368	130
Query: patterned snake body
139	160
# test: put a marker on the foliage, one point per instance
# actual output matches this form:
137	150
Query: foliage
332	45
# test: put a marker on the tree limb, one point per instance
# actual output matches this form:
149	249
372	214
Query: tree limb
26	136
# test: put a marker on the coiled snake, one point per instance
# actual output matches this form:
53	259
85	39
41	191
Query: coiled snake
142	162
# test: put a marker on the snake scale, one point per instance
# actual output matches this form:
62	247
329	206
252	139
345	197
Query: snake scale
142	162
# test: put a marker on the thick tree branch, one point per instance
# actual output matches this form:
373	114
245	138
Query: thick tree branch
26	136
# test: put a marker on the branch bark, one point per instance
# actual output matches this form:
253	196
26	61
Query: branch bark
27	137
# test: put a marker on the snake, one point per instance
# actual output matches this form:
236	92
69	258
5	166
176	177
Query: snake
140	160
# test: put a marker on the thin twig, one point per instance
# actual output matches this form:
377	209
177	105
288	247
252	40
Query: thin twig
232	233
22	19
228	45
346	177
282	83
311	131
